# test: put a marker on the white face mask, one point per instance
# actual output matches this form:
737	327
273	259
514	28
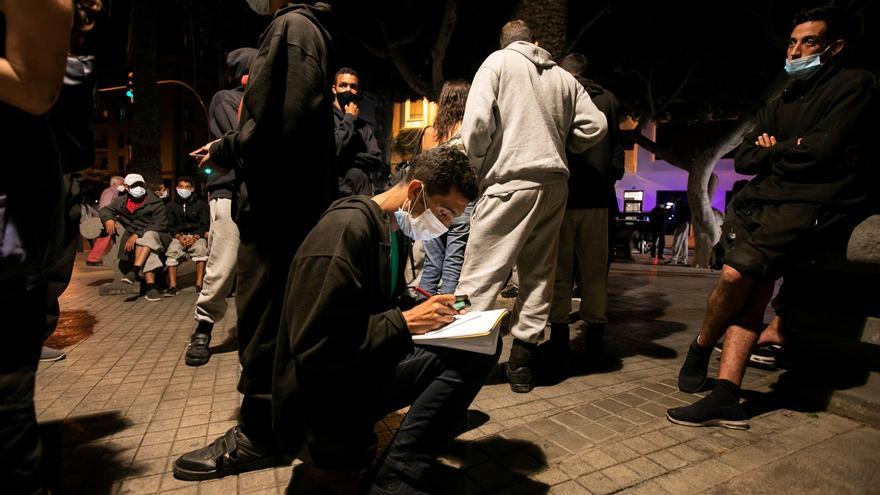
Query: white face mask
422	228
183	193
163	194
120	188
262	7
804	67
137	192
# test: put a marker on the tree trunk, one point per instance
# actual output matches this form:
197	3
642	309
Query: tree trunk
145	147
701	188
548	20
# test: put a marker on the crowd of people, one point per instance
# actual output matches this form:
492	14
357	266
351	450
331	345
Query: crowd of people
514	175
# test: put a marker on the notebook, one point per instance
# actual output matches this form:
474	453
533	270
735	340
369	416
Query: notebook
473	332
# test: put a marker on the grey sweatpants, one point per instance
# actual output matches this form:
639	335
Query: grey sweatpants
521	229
584	235
220	270
680	243
151	240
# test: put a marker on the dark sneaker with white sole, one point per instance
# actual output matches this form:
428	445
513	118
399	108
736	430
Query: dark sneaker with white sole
171	291
232	453
695	369
766	354
130	277
708	412
153	295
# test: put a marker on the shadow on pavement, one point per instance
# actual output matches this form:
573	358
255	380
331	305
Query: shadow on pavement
491	464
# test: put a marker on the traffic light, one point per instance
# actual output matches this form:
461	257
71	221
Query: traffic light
129	87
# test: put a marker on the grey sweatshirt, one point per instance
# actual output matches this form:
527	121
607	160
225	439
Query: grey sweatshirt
521	113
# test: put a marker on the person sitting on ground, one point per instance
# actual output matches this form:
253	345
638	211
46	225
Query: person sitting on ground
188	223
342	330
145	221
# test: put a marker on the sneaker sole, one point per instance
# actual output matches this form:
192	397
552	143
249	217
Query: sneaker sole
52	360
189	475
153	299
127	281
769	361
519	388
196	362
726	423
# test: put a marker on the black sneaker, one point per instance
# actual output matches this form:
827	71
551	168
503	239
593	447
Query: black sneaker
130	277
94	263
47	354
153	295
519	368
197	352
171	291
766	355
695	369
232	453
707	412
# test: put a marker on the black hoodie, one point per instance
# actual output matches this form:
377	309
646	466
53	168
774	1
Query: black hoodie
341	329
834	114
223	112
283	149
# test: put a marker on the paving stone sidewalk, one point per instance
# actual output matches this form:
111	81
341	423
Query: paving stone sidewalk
123	406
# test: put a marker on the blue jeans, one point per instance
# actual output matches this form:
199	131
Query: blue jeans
438	384
444	256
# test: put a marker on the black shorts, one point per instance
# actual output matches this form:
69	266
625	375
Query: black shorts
762	241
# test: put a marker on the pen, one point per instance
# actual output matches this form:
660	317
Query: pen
422	292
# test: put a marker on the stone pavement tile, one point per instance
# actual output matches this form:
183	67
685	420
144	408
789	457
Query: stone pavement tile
520	462
667	459
194	420
180	447
646	468
219	428
681	433
707	445
158	437
598	459
163	425
641	445
596	432
189	490
660	439
142	485
198	431
647	488
837	424
591	412
168	414
647	393
611	405
569	488
671	402
617	424
570	419
622	476
598	483
153	451
629	399
654	409
575	467
676	483
546	426
687	453
490	476
636	416
571	440
746	458
707	474
619	451
552	476
224	486
159	465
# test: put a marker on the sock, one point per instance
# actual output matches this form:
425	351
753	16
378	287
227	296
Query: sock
136	270
150	286
726	393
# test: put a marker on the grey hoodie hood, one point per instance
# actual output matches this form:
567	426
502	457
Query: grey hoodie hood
533	52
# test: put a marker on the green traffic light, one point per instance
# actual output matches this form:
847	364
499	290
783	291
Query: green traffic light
208	171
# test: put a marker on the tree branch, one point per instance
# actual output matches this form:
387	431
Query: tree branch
684	81
438	53
397	58
660	152
573	41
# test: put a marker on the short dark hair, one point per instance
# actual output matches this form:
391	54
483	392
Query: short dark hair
516	30
186	178
574	63
442	168
345	70
835	23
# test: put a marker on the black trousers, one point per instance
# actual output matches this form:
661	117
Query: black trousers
24	316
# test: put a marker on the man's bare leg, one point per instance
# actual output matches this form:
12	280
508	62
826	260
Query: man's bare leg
150	278
773	333
172	276
141	253
725	302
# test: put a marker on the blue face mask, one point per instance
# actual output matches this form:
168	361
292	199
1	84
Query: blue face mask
804	67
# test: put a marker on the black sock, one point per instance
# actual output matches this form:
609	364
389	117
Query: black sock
726	393
150	286
136	270
204	327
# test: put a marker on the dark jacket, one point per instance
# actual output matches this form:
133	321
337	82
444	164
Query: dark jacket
592	171
682	212
284	140
356	145
188	217
151	216
223	112
340	331
834	114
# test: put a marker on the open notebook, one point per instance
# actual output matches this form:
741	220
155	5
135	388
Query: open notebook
474	332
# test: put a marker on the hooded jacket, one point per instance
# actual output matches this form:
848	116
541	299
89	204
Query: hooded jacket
521	113
595	170
341	328
356	144
834	115
223	112
188	217
284	139
151	216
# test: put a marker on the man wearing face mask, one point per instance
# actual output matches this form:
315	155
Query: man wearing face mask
282	152
144	218
811	152
357	152
162	193
342	330
188	223
104	243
